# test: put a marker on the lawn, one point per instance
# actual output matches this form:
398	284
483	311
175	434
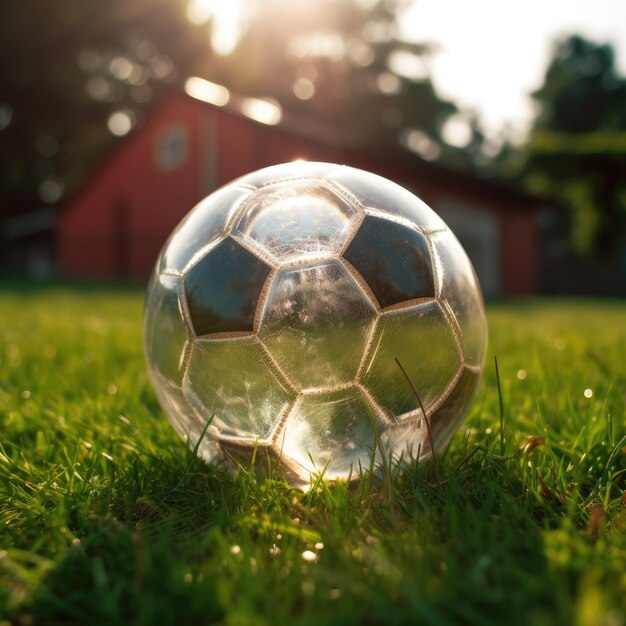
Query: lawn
106	517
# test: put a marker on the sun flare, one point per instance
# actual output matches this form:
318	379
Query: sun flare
226	17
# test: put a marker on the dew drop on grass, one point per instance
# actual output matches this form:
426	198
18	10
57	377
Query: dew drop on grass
274	550
522	374
188	578
588	393
26	394
235	549
309	556
111	389
319	545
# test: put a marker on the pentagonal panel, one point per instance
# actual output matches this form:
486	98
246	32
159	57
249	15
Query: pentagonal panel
235	381
165	332
412	439
206	223
422	340
315	324
296	219
458	286
332	430
286	171
394	261
379	193
223	289
444	421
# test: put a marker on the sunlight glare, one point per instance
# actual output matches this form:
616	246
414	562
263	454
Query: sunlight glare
205	90
419	142
407	64
262	111
226	17
457	132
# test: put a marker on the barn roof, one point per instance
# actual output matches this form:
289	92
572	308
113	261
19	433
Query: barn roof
331	135
272	115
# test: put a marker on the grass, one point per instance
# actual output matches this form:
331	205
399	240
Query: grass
106	517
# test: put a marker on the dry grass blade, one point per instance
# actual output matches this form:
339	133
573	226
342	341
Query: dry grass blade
428	430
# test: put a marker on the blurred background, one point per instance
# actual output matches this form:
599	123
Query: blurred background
509	119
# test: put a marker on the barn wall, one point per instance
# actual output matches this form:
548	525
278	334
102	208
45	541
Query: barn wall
508	261
117	226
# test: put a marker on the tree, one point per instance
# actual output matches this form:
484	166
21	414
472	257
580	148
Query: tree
336	61
67	66
576	151
70	64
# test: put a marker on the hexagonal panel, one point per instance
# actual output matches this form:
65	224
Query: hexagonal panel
315	323
165	331
458	286
422	340
379	193
186	422
286	171
236	381
393	260
205	223
223	289
296	219
334	429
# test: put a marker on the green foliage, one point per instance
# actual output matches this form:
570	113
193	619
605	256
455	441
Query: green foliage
582	91
106	517
576	152
102	57
61	83
344	51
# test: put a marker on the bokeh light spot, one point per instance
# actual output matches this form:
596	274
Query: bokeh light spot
205	90
120	123
262	111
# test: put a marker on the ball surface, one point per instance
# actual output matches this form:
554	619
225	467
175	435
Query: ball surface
277	310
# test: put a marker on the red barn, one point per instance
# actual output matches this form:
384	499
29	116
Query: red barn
116	226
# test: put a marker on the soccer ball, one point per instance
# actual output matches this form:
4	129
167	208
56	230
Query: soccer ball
282	307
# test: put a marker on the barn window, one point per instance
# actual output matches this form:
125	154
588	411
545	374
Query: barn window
171	147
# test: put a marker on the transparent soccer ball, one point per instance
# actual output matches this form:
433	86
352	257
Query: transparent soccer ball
281	305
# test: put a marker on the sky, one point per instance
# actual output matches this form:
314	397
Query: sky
493	53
